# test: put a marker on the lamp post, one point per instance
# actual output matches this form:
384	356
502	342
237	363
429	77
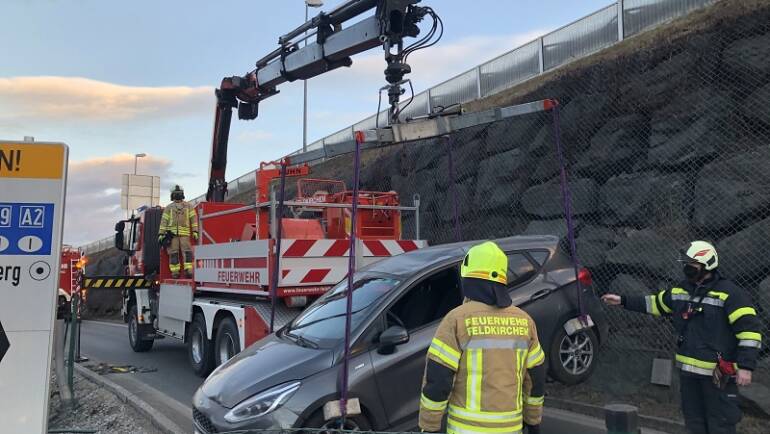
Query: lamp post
308	4
136	158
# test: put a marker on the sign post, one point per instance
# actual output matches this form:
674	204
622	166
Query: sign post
32	187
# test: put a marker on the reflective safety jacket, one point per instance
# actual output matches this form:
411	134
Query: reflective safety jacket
476	369
180	219
715	318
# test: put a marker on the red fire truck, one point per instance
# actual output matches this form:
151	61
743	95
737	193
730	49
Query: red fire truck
226	305
72	266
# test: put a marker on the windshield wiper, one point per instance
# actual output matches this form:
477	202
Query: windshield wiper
301	340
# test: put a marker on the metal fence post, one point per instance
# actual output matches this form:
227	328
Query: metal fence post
621	30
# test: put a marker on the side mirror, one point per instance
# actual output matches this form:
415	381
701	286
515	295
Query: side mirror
120	226
390	338
119	242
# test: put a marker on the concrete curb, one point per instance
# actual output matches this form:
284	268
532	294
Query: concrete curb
158	419
649	422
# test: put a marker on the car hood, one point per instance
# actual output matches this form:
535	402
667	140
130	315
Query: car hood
267	363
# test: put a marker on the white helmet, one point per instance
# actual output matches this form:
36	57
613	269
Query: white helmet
703	253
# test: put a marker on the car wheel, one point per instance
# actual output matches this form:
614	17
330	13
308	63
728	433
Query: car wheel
358	422
227	343
572	359
199	347
138	344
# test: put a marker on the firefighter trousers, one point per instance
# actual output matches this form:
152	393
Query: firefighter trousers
180	248
708	409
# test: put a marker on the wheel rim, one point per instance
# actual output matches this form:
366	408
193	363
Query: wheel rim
337	425
196	345
226	348
132	330
576	353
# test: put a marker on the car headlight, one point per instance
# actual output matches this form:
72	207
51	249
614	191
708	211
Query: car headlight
262	403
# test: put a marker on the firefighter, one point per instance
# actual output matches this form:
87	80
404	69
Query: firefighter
180	223
718	338
483	353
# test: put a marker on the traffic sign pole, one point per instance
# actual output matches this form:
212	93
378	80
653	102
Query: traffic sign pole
32	187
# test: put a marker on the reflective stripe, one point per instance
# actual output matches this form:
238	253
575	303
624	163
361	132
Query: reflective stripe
738	313
492	344
663	305
485	416
706	300
473	381
431	405
677	291
501	278
454	426
535	401
720	295
445	353
749	335
652	307
750	344
535	357
689	364
521	359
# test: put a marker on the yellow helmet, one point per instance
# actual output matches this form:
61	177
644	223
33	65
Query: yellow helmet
486	261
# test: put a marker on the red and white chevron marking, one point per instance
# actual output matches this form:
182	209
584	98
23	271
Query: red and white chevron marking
337	248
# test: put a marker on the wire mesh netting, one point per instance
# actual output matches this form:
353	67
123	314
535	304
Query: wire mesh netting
664	145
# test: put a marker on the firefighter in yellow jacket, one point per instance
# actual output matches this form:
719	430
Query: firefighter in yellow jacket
483	353
180	221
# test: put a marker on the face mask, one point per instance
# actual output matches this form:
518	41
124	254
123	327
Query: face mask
692	273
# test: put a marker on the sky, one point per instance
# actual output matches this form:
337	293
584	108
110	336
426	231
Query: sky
112	79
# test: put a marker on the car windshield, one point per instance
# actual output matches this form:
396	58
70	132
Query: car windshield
323	323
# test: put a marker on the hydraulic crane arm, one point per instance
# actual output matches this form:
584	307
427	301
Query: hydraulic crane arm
392	22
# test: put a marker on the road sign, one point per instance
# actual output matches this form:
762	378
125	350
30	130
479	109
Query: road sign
32	187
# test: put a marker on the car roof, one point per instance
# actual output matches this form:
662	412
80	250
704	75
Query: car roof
411	262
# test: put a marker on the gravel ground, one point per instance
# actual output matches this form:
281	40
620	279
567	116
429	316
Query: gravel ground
97	409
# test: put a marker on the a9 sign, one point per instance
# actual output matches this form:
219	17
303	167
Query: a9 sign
6	214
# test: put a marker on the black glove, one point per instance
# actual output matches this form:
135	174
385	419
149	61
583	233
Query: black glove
532	429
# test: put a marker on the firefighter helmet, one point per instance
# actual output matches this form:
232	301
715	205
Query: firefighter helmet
702	252
177	193
486	261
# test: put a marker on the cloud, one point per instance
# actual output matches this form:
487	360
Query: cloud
82	99
255	135
93	194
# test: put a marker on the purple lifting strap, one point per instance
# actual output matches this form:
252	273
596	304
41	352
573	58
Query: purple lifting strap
277	261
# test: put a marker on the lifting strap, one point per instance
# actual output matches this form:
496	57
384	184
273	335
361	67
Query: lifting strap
277	253
452	185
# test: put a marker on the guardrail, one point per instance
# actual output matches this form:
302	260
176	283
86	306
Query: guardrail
581	38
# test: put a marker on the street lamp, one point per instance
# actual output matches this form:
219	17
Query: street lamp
308	4
136	158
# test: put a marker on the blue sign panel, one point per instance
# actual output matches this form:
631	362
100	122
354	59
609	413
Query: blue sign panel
26	228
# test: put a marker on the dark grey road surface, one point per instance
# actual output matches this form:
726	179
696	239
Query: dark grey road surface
171	387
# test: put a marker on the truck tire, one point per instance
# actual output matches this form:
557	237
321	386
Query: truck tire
227	343
199	347
572	359
135	336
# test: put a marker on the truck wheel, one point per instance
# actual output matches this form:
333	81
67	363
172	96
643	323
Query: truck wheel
228	342
572	359
199	347
135	337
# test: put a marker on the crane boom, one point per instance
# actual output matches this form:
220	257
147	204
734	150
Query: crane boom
391	23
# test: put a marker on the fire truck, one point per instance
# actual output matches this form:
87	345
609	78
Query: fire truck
72	266
227	304
257	264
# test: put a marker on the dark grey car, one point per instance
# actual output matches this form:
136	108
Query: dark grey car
284	380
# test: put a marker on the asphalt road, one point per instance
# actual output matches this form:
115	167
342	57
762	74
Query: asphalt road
170	388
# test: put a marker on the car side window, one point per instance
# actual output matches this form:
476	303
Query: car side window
428	300
540	256
520	269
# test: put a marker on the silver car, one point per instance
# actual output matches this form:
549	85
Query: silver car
284	380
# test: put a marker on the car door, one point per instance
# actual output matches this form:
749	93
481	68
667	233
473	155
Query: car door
420	309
